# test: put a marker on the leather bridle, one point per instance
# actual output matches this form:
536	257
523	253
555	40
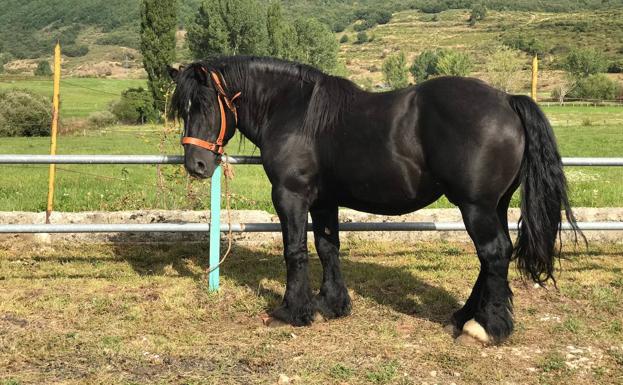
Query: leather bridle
217	147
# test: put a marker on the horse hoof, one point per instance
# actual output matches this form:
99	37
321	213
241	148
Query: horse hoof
467	340
318	317
475	330
301	317
271	322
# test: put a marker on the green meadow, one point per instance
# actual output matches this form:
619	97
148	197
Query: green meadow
79	96
581	131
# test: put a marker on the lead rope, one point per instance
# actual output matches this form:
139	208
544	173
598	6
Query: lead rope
228	173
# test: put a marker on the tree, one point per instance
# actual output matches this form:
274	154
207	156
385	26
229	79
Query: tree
246	27
136	106
316	43
582	63
562	89
453	63
158	27
503	69
344	39
229	27
43	69
479	12
282	37
395	71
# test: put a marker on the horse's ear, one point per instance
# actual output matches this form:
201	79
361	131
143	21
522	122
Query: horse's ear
173	73
201	73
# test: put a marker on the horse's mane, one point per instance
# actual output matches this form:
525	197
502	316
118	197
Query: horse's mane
330	98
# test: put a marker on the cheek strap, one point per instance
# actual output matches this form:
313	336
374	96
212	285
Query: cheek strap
217	147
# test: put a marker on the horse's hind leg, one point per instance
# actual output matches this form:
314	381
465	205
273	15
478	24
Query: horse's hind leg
489	306
467	312
333	300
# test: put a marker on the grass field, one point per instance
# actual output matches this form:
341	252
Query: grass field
79	96
103	187
120	314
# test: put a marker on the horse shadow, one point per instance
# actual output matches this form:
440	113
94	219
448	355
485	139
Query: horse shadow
398	287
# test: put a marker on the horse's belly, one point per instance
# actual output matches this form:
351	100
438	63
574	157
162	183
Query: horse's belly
390	194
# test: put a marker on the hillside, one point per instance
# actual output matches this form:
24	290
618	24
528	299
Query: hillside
100	38
27	28
413	32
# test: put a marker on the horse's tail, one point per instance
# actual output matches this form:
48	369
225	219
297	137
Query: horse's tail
543	194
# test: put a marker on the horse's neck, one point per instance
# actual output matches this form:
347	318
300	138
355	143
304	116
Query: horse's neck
254	106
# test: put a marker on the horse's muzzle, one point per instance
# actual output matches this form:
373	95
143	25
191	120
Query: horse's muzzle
200	163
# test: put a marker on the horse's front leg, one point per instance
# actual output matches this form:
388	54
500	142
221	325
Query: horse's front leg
292	207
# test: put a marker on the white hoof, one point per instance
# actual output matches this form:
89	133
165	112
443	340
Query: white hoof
467	340
475	330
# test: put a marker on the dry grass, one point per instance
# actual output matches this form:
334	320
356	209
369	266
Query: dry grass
119	314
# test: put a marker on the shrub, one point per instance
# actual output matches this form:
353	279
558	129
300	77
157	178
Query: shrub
479	12
503	69
5	57
440	62
75	50
616	67
362	37
136	106
24	113
100	119
454	63
383	17
598	86
124	38
364	25
344	39
339	26
425	65
395	71
527	44
43	69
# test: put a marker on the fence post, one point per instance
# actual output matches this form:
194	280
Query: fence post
55	113
535	76
215	229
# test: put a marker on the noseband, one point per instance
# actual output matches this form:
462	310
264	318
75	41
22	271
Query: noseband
217	147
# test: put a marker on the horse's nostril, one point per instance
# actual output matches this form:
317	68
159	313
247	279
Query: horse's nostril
201	167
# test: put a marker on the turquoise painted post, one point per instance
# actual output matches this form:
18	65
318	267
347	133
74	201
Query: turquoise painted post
215	229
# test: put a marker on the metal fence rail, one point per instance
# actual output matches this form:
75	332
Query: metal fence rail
178	159
263	227
112	159
215	227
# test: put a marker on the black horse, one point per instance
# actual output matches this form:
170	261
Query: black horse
326	143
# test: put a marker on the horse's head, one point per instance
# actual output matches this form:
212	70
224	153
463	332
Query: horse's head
209	116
